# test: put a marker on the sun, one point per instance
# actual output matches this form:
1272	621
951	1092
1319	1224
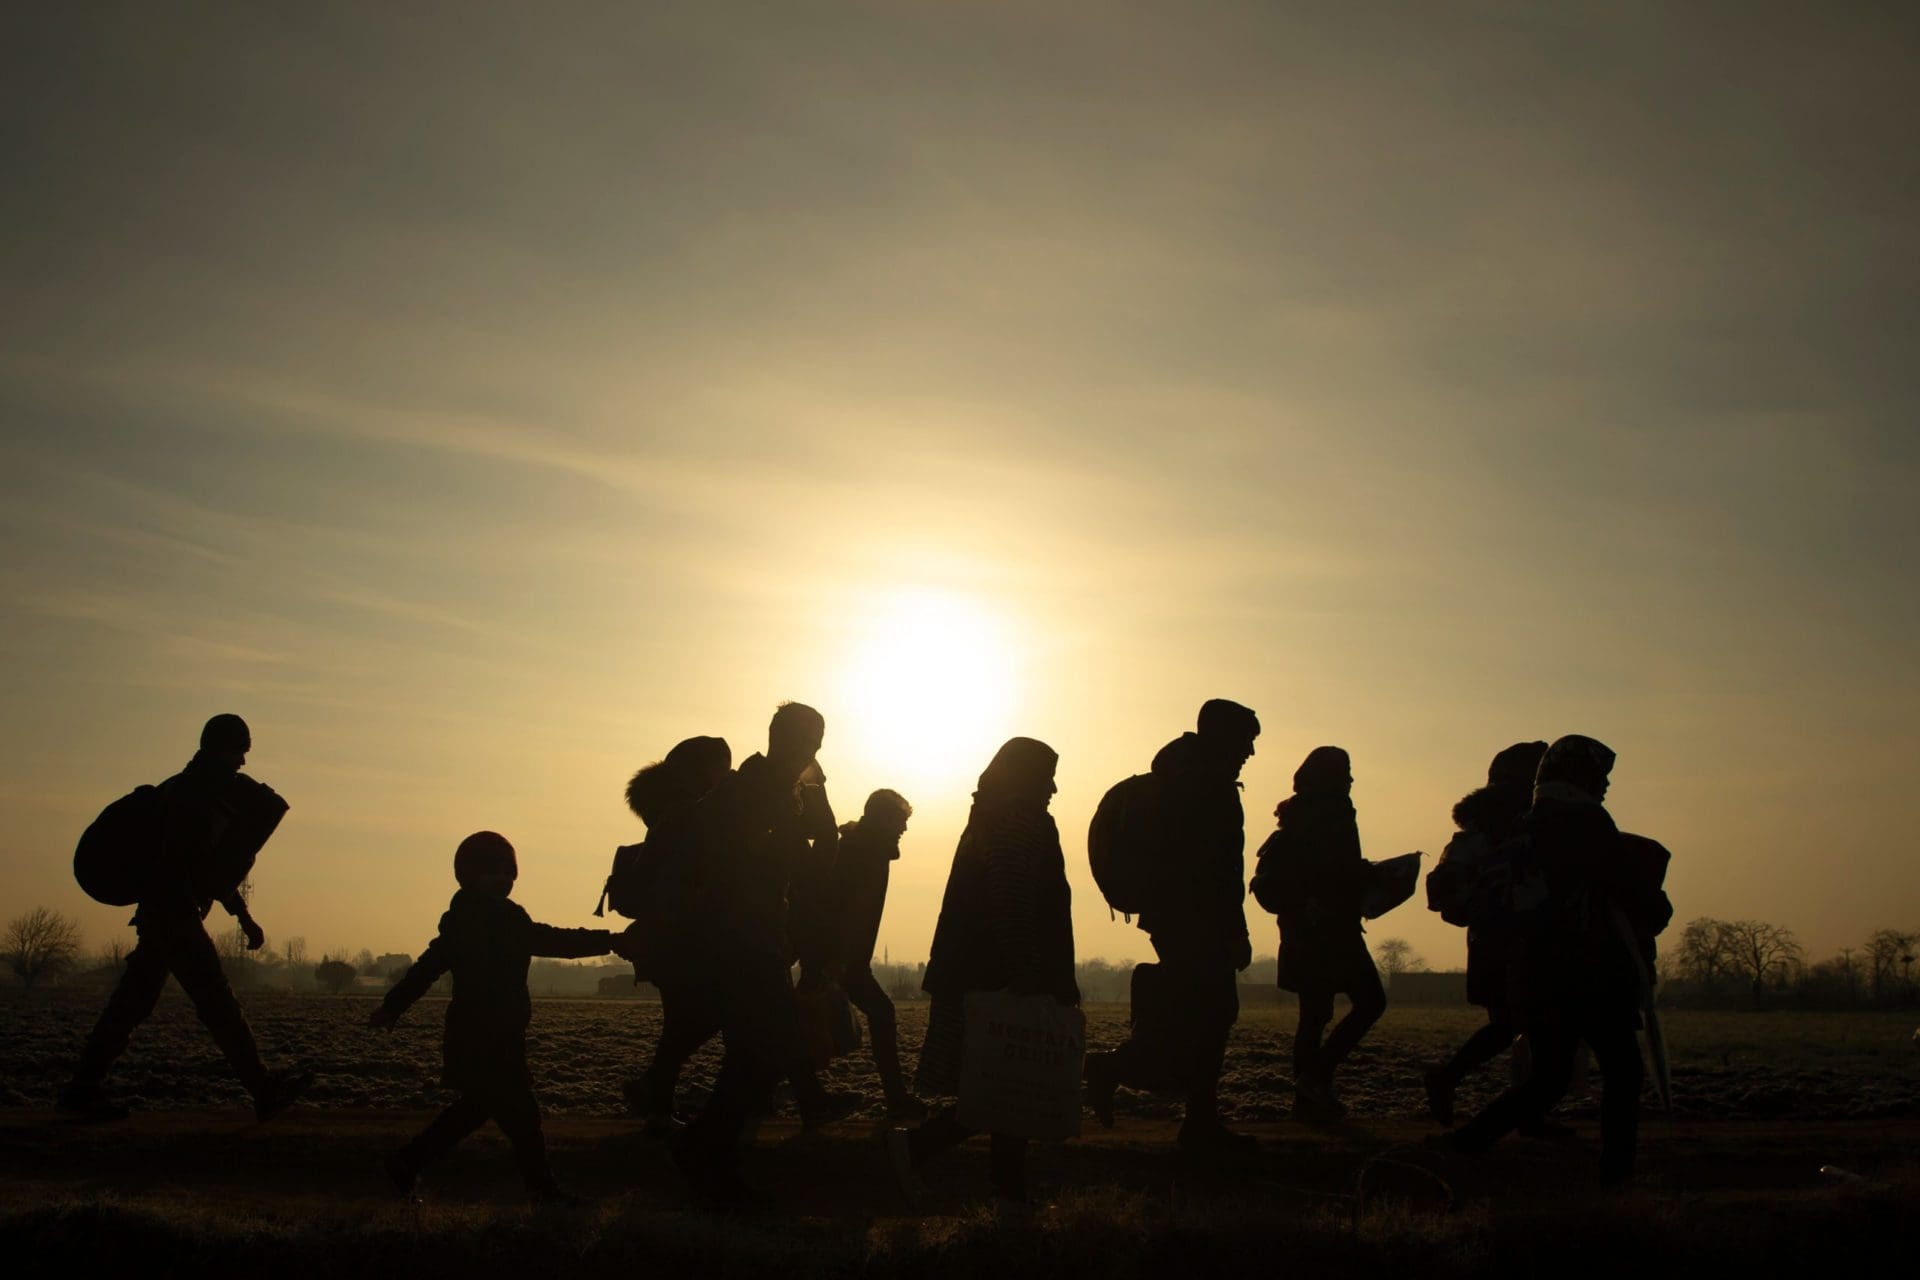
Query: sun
930	686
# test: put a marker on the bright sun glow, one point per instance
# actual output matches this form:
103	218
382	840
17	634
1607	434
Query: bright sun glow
930	688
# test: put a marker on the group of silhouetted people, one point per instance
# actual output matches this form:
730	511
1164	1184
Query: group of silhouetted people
744	873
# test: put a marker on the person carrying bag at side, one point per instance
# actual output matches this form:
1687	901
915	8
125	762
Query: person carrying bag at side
1006	928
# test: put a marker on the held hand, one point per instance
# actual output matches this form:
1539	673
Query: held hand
256	936
1242	954
382	1018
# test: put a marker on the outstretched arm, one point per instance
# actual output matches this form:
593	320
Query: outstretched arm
413	984
567	944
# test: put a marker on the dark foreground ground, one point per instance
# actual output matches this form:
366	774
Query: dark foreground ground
211	1194
1731	1182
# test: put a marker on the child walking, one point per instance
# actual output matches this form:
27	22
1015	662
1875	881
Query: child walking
487	941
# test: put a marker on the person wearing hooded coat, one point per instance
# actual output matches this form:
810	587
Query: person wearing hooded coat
206	805
1581	955
666	796
1486	819
1006	924
1314	878
1198	926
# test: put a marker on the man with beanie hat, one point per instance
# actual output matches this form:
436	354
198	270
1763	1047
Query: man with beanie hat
1486	818
216	819
1579	969
1190	1000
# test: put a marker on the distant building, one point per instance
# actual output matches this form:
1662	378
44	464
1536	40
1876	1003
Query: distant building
392	965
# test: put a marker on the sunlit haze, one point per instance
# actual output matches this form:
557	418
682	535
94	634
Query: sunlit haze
479	402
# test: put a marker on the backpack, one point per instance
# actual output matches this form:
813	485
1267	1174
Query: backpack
1124	842
252	814
117	851
629	885
1271	887
1509	894
1450	884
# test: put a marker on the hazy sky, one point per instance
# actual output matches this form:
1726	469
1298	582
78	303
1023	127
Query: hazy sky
481	398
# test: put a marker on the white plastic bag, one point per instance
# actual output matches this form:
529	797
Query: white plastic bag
1020	1066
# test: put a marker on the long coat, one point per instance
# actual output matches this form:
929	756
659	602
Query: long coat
1006	919
1321	879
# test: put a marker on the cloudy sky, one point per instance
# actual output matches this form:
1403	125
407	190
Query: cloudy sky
480	400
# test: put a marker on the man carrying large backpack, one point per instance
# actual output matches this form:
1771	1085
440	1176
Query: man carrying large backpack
1192	870
213	820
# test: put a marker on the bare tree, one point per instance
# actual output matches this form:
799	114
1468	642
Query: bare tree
1890	964
1705	951
1759	951
114	956
41	944
1396	955
296	950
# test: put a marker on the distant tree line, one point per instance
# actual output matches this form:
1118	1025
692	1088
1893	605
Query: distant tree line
1759	965
1710	963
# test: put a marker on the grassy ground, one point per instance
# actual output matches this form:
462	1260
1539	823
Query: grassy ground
211	1193
1730	1180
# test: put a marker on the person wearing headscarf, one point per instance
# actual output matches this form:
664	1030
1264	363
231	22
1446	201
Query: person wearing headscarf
1005	924
1486	818
1580	964
1315	885
1198	925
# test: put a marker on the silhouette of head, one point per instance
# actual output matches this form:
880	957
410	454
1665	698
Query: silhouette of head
692	769
703	761
1021	772
886	814
1516	767
227	735
794	738
1579	762
485	862
1226	731
1325	772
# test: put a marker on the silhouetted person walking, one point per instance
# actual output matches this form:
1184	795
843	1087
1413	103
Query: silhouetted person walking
215	821
666	796
1585	909
1312	876
767	826
1198	926
1486	819
1006	923
839	922
487	942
